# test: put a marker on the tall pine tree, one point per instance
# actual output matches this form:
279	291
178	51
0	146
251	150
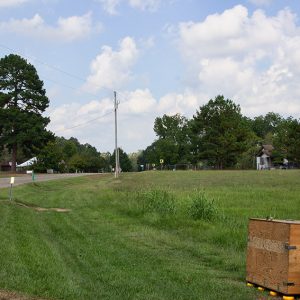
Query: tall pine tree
22	101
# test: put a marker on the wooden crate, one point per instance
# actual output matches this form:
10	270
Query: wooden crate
273	255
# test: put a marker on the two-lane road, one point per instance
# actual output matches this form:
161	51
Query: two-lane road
26	178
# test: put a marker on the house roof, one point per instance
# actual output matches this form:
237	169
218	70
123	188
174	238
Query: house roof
266	149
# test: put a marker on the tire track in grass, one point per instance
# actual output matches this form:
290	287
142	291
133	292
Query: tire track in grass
71	238
83	257
16	265
34	260
55	232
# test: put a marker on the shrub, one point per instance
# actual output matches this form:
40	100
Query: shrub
201	207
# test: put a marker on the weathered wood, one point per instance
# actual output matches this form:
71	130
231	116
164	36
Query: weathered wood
273	255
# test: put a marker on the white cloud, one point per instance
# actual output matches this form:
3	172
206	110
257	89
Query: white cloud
150	5
9	3
139	102
66	29
253	59
183	103
111	6
111	69
134	131
261	2
68	119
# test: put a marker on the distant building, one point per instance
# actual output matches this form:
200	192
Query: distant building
264	158
5	166
27	163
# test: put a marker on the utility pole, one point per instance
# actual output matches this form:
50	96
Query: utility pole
116	103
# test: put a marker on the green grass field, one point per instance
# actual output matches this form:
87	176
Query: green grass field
151	235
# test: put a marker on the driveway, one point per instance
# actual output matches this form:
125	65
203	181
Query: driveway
26	178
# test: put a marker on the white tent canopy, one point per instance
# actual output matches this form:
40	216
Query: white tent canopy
27	163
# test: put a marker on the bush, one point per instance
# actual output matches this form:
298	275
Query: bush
201	207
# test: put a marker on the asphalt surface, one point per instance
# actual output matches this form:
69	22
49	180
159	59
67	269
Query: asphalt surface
26	178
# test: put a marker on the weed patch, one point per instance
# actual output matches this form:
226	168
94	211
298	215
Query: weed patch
157	201
201	207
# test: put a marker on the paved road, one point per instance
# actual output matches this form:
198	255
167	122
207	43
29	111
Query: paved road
5	182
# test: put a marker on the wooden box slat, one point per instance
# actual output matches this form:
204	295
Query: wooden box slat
270	262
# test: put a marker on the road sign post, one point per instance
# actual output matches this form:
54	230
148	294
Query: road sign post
161	163
12	181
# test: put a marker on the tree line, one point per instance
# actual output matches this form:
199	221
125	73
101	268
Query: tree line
69	155
219	136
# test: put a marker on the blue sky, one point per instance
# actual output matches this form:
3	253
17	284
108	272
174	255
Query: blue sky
161	56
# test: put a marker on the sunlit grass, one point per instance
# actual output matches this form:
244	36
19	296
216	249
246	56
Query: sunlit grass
143	236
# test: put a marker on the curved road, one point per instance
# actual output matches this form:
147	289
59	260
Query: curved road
26	178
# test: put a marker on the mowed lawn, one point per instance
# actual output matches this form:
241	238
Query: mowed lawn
142	236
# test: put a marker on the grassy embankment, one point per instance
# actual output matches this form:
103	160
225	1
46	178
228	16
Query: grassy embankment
155	235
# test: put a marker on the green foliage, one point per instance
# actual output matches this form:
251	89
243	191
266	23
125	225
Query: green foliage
22	103
201	207
287	139
157	200
64	155
266	126
220	133
172	144
50	157
125	162
219	136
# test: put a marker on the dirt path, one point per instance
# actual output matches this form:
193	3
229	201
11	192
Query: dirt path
38	208
5	295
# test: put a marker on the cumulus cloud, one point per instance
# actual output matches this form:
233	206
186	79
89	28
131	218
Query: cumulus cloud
111	6
111	69
10	3
66	29
139	102
253	59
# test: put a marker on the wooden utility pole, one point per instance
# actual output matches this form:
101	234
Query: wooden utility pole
117	166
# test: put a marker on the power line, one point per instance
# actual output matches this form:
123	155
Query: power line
91	120
61	71
87	122
50	66
66	86
43	63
